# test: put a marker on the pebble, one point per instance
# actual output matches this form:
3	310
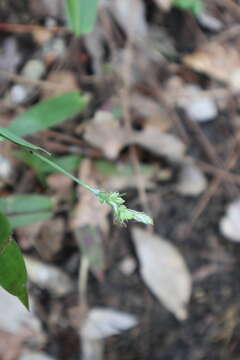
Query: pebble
21	94
198	106
209	22
127	266
5	171
201	109
230	222
192	181
34	69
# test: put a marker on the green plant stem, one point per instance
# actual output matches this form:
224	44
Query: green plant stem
60	169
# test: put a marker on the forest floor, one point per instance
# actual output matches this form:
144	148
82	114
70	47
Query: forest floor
163	127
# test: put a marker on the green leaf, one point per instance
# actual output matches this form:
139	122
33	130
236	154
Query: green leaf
25	209
68	162
8	135
48	113
81	15
13	274
195	6
5	232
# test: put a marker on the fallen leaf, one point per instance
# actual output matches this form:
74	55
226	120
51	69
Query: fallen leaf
106	133
50	238
219	61
88	211
10	345
89	221
104	322
164	271
16	320
230	222
48	277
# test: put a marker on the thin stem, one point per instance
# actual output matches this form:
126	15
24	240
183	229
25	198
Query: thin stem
59	168
83	278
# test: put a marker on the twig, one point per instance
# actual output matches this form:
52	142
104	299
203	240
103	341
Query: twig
230	163
24	28
207	146
226	175
27	81
82	281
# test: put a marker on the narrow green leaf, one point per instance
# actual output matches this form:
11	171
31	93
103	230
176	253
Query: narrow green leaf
25	209
8	135
81	15
195	6
13	274
48	113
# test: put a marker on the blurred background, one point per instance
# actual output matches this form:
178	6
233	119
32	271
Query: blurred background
145	103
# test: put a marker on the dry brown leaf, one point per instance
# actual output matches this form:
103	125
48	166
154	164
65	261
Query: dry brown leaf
88	211
10	345
50	239
106	133
164	271
16	320
221	62
89	222
159	143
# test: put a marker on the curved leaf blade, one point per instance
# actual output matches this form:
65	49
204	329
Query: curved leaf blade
8	135
47	113
13	274
81	15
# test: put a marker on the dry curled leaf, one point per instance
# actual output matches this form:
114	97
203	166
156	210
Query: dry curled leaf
164	271
221	62
106	133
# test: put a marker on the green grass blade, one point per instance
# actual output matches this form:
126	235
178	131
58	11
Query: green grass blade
50	112
81	15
